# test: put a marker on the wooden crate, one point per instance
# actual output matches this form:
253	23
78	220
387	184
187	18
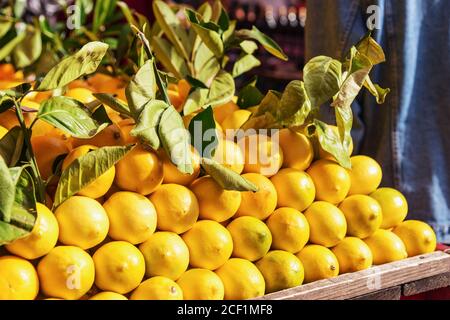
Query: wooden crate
389	281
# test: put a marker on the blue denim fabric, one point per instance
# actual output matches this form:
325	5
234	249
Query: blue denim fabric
409	135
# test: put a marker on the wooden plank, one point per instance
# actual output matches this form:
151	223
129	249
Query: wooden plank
431	283
393	293
367	281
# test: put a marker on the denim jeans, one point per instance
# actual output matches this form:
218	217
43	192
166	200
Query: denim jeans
409	135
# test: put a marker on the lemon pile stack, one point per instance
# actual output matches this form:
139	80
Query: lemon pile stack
144	230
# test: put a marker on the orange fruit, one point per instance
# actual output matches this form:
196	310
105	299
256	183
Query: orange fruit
46	150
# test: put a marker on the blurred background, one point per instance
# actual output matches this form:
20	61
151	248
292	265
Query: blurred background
283	20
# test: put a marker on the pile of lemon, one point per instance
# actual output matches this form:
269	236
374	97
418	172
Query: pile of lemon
144	230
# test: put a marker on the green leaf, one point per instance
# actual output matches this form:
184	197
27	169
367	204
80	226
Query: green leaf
6	102
5	25
102	11
141	88
371	49
249	96
344	121
11	146
101	116
17	91
29	50
226	178
172	28
84	62
322	76
6	192
294	105
146	128
271	46
221	90
378	92
205	10
244	64
71	116
175	139
6	49
248	46
206	65
195	100
330	141
265	116
224	20
195	83
85	169
203	134
169	57
19	8
113	103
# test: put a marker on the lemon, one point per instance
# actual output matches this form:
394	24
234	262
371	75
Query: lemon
176	207
82	222
332	181
81	94
241	280
281	270
251	238
297	149
418	237
353	255
261	155
158	288
215	203
393	205
224	110
139	171
126	126
201	284
119	267
42	238
18	279
228	154
365	175
295	189
210	244
132	217
259	204
386	247
47	150
363	215
3	131
326	223
326	155
173	175
165	254
318	262
235	120
289	229
108	295
67	272
100	185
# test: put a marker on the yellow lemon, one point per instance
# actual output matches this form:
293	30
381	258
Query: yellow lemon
353	255
126	126
3	131
229	155
210	244
261	155
318	262
363	215
81	94
105	83
393	205
201	284
235	120
332	181
251	238
365	175
297	149
18	279
289	229
6	71
139	171
99	186
67	272
295	189
158	288
386	247
132	217
108	295
119	267
173	175
224	110
215	202
82	222
47	150
418	237
176	207
110	136
326	155
326	223
259	204
165	254
281	270
42	238
241	280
